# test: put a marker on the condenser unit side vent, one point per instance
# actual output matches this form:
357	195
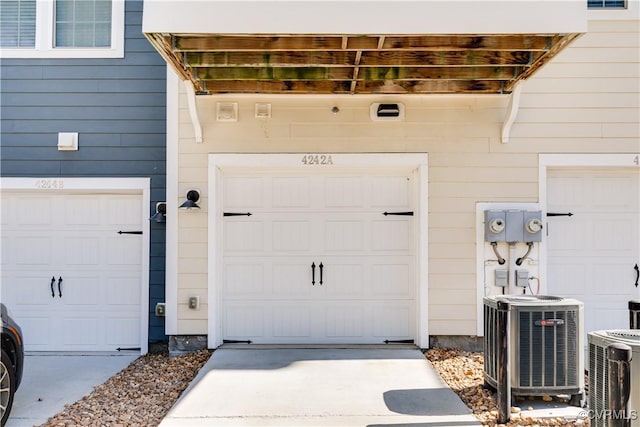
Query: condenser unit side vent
599	372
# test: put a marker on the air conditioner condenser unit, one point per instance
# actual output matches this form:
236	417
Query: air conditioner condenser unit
545	345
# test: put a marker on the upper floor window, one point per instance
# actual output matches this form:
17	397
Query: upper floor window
606	4
17	23
62	28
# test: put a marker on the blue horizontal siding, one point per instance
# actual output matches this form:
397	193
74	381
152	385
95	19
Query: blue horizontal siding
82	99
118	107
88	113
106	140
63	86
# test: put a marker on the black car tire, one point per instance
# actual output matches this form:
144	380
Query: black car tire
7	386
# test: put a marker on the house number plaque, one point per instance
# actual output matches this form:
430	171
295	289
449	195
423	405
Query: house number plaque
317	159
49	184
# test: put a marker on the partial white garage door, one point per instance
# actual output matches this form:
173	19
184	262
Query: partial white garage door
71	281
317	261
592	255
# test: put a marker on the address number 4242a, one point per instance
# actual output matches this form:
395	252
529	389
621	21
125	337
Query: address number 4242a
317	159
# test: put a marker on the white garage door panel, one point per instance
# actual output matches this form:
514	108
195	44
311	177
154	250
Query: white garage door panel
591	255
270	292
73	237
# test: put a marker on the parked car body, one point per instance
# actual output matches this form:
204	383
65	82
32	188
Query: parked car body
12	362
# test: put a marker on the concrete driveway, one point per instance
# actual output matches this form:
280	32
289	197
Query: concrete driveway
51	380
318	387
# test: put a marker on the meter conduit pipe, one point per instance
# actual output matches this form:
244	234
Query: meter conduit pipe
494	246
520	260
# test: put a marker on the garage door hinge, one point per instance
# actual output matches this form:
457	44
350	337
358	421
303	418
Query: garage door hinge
129	232
236	342
398	213
236	214
559	214
399	341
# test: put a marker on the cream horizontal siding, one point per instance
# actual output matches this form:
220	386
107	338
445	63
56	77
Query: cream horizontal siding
585	101
588	97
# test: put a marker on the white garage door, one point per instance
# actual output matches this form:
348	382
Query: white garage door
317	261
69	278
592	254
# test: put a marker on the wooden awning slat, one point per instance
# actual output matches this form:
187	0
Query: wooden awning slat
367	59
238	43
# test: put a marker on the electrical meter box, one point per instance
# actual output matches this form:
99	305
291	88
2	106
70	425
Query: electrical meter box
494	226
532	226
514	231
512	226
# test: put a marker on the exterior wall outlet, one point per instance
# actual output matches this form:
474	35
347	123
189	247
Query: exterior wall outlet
160	309
194	303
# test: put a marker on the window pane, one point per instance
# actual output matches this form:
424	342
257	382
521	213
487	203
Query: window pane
83	23
606	4
103	11
64	35
103	35
17	23
83	11
64	10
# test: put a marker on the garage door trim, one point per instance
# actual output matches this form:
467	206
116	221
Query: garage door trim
221	163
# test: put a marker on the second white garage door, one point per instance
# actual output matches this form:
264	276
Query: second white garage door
71	280
317	261
593	254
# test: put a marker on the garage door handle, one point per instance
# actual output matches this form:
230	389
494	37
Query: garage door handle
637	274
313	273
53	281
321	267
60	287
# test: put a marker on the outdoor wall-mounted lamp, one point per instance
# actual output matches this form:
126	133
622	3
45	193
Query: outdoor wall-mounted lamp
192	197
161	213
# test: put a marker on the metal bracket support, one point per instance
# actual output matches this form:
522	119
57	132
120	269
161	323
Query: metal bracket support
193	110
514	106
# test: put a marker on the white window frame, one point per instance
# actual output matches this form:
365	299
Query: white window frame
44	43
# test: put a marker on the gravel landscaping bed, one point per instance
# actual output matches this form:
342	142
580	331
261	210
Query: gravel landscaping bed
139	395
464	372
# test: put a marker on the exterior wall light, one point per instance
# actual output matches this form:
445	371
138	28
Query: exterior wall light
161	213
192	197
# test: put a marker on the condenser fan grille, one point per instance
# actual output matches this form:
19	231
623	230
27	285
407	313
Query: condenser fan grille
630	334
548	355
